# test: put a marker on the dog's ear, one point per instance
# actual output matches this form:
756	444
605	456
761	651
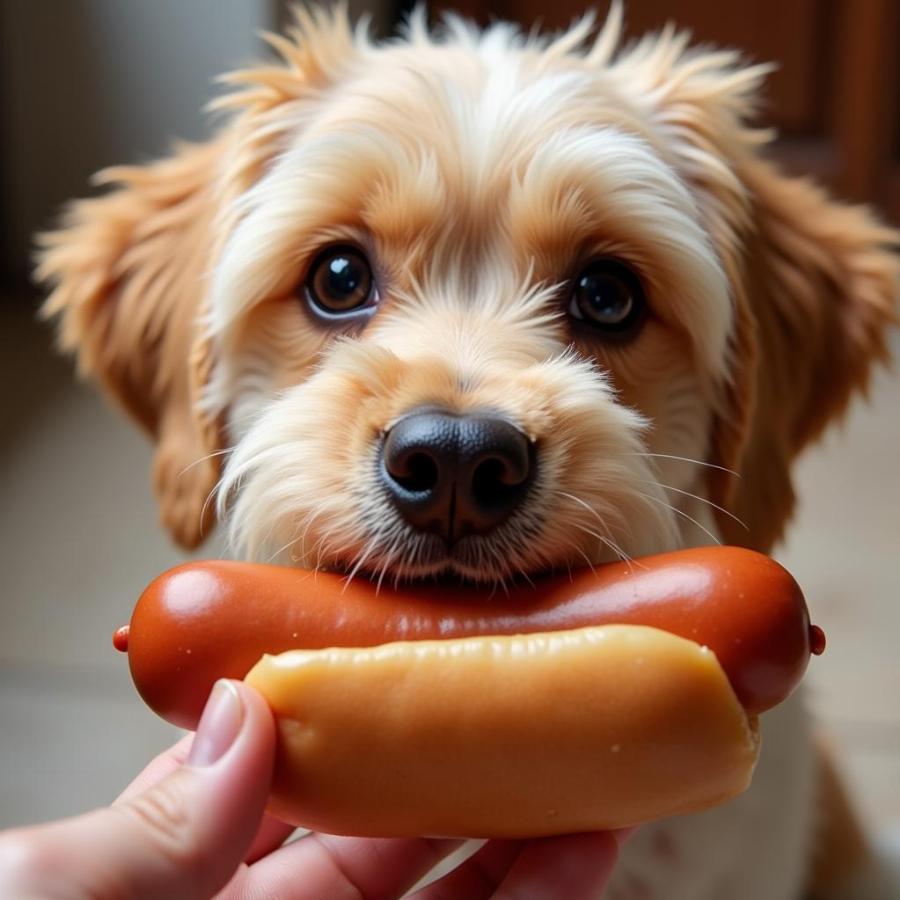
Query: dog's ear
814	282
129	270
815	292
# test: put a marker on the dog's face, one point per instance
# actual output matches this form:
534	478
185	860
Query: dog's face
473	232
476	306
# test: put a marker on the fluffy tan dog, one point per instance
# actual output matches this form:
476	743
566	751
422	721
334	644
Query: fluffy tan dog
475	304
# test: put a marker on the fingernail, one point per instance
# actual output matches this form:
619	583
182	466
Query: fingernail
219	724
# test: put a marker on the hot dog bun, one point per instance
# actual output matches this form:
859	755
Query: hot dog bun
504	736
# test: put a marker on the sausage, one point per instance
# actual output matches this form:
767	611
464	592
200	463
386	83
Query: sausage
206	620
504	737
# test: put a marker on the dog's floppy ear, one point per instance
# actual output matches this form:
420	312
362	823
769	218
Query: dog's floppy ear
814	282
128	273
129	270
815	293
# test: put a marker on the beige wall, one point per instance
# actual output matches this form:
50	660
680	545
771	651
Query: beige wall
88	83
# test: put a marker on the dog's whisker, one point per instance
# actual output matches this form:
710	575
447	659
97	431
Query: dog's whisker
605	528
215	488
404	561
311	517
387	565
341	536
687	459
268	538
398	574
498	579
524	575
509	556
319	548
600	538
387	560
204	459
283	548
206	502
418	548
367	552
587	559
322	547
610	542
680	512
272	557
721	509
492	560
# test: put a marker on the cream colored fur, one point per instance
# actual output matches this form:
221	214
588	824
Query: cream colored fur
479	170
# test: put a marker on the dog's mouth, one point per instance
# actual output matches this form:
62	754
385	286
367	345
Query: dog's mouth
470	563
445	578
521	549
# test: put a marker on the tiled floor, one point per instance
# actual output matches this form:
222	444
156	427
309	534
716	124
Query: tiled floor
78	540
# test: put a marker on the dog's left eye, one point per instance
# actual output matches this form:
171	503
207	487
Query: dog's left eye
340	281
608	296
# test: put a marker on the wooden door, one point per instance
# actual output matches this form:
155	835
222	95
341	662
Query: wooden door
833	99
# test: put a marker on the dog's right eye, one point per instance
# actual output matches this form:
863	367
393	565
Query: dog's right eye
608	297
340	282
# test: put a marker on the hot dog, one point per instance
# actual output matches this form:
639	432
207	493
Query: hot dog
594	701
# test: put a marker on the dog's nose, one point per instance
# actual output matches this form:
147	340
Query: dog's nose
455	474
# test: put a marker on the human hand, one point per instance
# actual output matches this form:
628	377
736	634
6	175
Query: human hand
193	824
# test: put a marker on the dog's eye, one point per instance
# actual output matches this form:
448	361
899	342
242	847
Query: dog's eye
608	296
340	281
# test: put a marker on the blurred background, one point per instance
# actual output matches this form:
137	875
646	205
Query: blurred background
89	83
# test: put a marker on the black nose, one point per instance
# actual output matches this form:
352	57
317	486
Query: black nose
455	474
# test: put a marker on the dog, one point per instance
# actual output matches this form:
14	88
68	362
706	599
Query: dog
477	305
